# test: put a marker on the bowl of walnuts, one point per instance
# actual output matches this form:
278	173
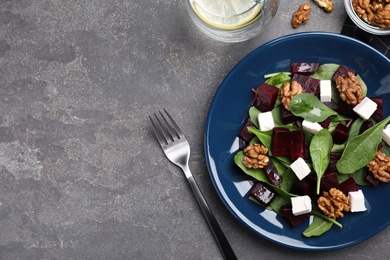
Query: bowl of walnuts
372	16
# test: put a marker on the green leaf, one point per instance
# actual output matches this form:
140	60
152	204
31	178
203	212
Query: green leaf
279	78
325	71
361	149
320	148
318	227
253	115
257	174
264	137
309	107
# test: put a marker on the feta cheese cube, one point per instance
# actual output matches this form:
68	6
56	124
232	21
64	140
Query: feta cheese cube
325	90
311	127
386	134
300	168
356	201
366	108
266	121
301	205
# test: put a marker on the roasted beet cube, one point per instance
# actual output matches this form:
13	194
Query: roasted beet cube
304	68
262	194
326	123
341	71
371	179
287	116
303	187
281	140
273	174
265	98
346	110
348	185
286	211
309	85
329	180
340	134
297	147
245	134
334	157
332	105
378	114
366	124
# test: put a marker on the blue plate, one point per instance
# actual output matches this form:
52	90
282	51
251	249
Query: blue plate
229	110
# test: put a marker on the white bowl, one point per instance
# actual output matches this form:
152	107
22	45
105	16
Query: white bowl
361	23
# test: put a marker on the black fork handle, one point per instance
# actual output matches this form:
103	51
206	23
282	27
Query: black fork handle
219	236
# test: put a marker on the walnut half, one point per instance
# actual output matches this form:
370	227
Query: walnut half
255	156
301	16
288	91
333	203
350	89
380	167
327	5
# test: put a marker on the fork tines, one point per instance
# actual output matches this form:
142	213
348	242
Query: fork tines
166	130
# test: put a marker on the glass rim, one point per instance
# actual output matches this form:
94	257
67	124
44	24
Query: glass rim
255	3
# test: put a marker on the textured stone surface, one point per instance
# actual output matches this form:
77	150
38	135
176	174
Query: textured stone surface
81	174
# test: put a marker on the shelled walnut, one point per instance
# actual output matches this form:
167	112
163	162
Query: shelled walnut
327	5
350	89
375	12
301	16
288	91
380	167
333	203
255	156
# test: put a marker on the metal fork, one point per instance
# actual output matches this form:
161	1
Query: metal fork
177	149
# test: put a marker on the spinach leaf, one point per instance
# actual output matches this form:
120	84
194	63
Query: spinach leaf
310	108
253	114
318	227
385	148
325	71
264	137
361	149
320	147
279	78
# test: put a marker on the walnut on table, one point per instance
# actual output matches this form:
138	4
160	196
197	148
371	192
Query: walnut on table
327	5
333	203
350	89
380	167
301	16
255	156
288	91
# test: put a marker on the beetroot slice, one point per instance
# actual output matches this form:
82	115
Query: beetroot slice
334	157
326	123
346	110
281	140
348	185
378	114
265	98
309	85
287	116
303	187
245	134
332	105
304	68
262	194
286	211
329	180
297	147
371	179
340	134
341	71
366	124
273	174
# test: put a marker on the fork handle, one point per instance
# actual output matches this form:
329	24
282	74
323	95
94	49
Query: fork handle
223	243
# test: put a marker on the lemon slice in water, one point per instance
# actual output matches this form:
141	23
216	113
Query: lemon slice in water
227	14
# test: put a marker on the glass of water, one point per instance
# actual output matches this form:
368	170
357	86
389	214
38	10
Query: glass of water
231	20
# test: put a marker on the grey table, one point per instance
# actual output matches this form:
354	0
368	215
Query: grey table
81	174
